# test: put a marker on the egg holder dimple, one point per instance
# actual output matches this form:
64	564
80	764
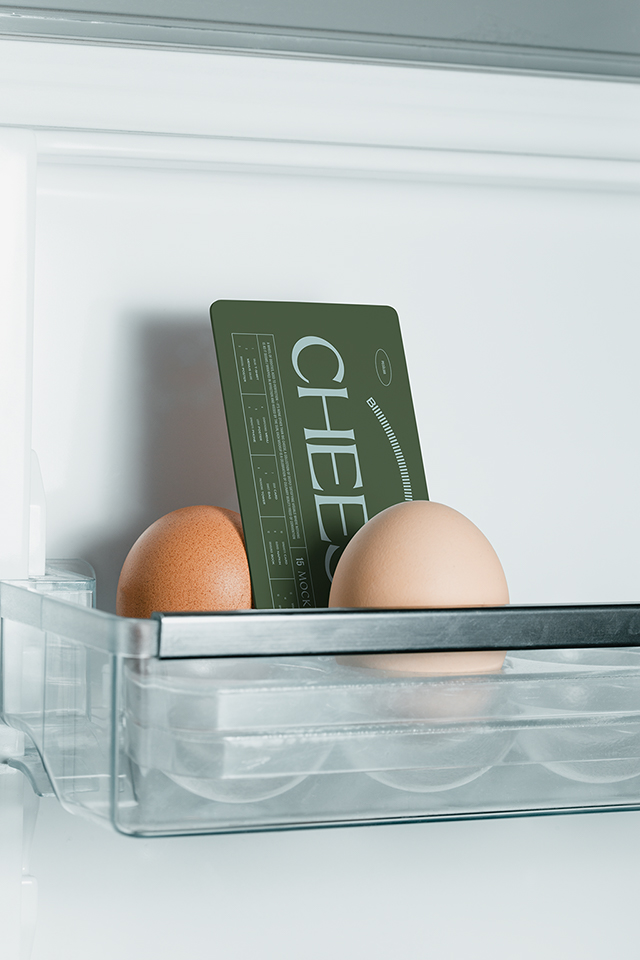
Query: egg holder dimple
586	704
241	731
247	720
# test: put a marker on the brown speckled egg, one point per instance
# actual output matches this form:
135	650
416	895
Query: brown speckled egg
191	559
421	554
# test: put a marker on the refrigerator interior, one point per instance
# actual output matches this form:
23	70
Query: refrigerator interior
500	216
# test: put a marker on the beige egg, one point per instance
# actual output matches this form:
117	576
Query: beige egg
421	554
192	559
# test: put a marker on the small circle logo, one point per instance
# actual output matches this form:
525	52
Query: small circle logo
383	367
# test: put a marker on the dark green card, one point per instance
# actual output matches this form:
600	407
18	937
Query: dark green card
322	430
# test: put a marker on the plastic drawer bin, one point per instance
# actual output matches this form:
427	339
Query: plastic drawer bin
241	721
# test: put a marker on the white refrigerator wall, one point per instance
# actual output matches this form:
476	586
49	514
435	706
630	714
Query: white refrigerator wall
518	313
505	230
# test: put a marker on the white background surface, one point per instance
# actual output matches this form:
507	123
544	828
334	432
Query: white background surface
518	305
518	314
553	887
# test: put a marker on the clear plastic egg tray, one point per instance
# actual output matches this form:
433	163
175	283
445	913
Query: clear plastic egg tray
242	721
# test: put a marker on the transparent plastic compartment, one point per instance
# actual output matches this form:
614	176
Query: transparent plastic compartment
159	746
596	693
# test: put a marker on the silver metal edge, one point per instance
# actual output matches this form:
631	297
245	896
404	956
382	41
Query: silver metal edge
334	631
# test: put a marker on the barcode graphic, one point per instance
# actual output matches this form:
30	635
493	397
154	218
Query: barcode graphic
395	446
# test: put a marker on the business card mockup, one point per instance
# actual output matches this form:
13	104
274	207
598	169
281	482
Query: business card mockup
322	432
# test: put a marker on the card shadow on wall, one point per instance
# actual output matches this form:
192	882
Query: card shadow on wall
184	456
